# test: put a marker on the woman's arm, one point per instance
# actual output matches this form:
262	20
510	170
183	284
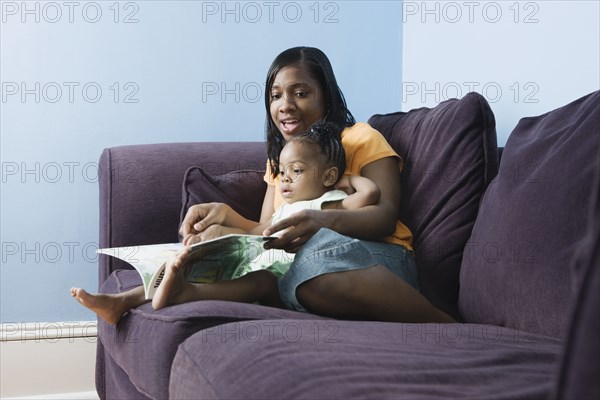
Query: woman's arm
215	231
268	207
210	220
200	216
373	222
235	220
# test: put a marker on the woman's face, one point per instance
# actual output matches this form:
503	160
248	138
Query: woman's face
296	101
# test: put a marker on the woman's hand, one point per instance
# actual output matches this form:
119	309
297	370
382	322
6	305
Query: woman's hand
296	230
212	232
200	217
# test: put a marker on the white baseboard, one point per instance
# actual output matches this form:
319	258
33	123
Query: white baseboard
48	360
47	331
61	396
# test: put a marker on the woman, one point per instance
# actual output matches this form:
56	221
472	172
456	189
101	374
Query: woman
370	277
353	264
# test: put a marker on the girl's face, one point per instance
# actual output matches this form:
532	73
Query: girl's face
296	101
301	173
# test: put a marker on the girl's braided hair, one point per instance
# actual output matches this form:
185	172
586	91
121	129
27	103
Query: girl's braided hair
326	136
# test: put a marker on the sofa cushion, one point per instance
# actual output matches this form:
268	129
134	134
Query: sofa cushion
144	342
581	353
450	155
243	190
289	359
516	266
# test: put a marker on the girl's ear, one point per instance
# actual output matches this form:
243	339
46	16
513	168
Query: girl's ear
330	176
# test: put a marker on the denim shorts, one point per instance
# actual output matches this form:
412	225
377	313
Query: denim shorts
328	251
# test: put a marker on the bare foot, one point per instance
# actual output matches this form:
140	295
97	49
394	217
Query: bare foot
110	307
173	289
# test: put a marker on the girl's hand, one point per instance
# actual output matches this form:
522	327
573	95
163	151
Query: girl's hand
344	184
212	232
199	217
296	230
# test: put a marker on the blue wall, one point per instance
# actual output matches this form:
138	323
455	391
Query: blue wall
525	57
82	77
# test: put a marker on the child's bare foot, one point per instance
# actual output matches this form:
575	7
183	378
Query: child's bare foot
109	307
173	289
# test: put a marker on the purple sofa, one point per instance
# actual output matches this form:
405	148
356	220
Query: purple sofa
510	246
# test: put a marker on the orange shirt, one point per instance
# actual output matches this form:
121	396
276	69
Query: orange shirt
362	145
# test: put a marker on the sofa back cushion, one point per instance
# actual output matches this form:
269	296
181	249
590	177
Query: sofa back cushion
243	190
578	377
450	154
140	189
516	266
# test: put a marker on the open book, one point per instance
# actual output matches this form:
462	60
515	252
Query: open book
224	258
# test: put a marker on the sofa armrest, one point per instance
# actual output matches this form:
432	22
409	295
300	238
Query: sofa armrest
141	186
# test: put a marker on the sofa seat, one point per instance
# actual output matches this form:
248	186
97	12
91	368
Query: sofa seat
145	341
347	359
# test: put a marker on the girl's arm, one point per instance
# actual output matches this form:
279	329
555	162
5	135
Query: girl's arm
365	192
372	222
376	221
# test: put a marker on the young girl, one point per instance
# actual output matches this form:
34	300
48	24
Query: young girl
372	277
310	164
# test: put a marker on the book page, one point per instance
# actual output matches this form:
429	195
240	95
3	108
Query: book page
228	258
146	259
223	258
